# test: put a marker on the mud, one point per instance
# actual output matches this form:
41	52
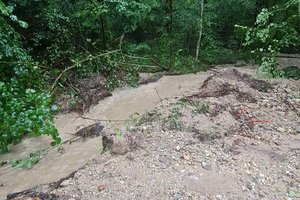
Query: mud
111	112
203	143
86	93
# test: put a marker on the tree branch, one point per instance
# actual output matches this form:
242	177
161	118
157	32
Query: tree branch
79	62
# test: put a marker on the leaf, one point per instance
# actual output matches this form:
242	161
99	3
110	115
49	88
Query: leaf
23	24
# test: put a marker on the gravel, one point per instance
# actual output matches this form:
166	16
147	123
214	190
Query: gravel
244	146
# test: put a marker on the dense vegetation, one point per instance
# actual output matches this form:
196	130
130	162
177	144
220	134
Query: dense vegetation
40	39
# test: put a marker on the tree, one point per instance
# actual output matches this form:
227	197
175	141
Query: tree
275	29
201	2
24	108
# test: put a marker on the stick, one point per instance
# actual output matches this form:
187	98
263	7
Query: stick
158	94
79	62
104	120
24	63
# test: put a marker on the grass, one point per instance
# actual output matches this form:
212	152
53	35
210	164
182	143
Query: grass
200	109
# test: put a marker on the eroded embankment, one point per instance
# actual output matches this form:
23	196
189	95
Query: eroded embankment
231	137
66	158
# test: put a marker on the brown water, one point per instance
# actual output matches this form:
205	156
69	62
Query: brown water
120	106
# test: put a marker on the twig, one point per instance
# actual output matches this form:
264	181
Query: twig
158	94
79	62
69	83
136	57
121	41
288	56
120	46
103	120
138	65
24	63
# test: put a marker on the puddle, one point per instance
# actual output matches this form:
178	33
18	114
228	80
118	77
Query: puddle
124	103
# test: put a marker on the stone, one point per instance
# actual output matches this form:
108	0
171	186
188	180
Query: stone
101	187
185	157
281	130
249	186
65	183
206	165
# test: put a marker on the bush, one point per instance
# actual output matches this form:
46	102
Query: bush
24	112
218	56
24	108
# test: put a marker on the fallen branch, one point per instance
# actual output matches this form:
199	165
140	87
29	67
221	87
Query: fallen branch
136	57
79	62
103	120
288	56
140	65
24	63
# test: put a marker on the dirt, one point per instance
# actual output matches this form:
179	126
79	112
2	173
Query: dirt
232	137
90	131
85	94
145	78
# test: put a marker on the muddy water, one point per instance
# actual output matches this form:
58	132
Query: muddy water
120	106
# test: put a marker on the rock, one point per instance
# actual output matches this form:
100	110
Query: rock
248	172
219	197
261	195
249	186
206	165
298	129
120	146
65	183
194	178
185	157
101	187
177	196
281	130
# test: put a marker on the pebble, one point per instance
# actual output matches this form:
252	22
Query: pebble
101	187
65	183
186	157
194	178
206	165
249	186
298	129
248	172
177	196
281	130
219	197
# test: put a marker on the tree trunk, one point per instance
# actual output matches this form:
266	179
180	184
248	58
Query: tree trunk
299	13
188	40
200	29
104	45
169	12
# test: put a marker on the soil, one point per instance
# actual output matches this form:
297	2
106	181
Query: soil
232	137
86	93
145	78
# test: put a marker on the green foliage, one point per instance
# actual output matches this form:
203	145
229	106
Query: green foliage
200	109
28	162
21	114
152	36
274	30
291	72
173	119
219	56
24	108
